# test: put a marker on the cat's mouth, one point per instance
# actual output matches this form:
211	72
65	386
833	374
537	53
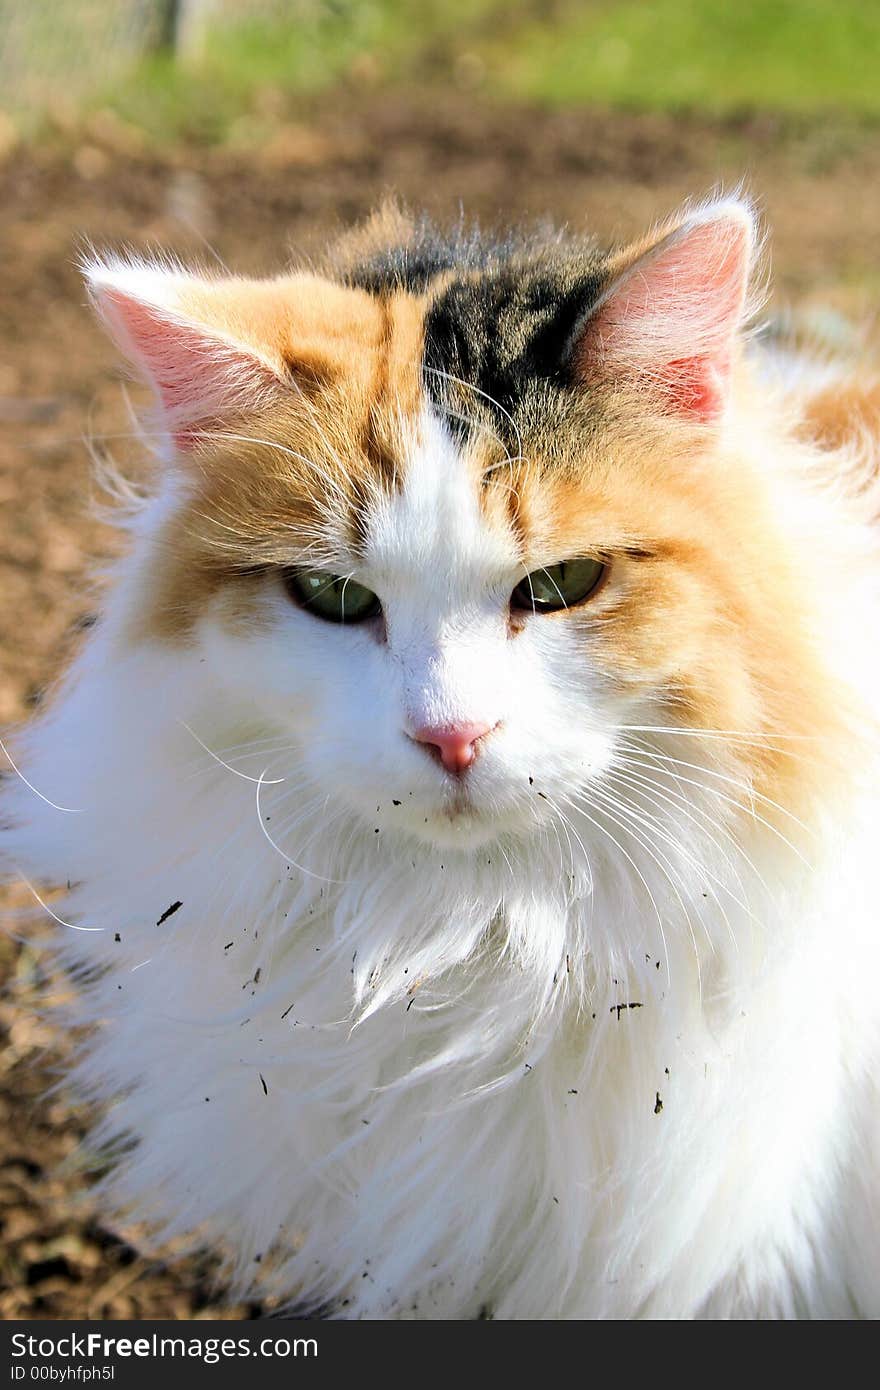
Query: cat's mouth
459	806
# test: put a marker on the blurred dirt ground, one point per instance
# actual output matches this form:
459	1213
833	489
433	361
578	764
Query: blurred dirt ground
819	186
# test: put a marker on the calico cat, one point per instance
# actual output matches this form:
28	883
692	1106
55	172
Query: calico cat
468	798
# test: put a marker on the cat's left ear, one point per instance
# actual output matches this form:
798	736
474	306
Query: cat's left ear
668	321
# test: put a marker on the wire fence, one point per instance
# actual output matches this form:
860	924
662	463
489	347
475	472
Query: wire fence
54	52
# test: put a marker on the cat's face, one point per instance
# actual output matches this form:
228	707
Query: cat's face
440	703
454	538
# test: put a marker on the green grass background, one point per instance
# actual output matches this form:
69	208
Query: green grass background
798	57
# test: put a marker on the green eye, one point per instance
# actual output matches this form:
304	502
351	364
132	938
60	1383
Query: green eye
334	597
558	586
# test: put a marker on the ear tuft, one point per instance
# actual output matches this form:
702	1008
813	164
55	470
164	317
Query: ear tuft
669	320
161	320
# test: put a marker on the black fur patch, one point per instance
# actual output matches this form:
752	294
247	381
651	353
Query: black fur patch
502	322
508	336
426	254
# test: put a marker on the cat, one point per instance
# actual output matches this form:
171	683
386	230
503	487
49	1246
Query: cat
468	796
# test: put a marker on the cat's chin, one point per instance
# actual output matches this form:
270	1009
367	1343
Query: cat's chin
461	832
462	827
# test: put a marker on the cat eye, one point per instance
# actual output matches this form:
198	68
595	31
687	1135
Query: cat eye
558	586
335	597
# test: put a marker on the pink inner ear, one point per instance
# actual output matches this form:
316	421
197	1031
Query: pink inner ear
197	375
669	322
697	386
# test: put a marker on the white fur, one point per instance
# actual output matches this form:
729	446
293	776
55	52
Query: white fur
400	1067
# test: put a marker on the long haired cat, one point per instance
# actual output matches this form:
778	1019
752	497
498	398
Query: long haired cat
468	799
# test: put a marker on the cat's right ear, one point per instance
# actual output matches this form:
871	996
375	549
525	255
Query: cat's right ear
181	338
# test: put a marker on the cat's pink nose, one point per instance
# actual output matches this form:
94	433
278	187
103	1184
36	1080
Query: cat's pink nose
456	746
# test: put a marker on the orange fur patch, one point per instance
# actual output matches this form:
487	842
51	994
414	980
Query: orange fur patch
844	414
702	607
290	483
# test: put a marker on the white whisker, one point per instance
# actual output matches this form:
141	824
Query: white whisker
655	829
468	386
644	882
69	810
689	808
664	864
260	781
743	806
73	926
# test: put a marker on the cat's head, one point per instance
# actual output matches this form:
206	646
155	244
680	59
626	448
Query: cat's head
455	517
